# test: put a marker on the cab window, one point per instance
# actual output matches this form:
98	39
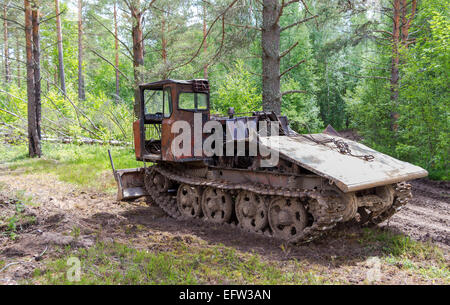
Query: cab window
153	101
167	102
193	101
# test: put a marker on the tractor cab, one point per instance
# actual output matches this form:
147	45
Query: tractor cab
162	104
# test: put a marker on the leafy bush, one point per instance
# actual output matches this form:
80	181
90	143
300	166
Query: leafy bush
236	89
300	108
63	116
424	119
423	104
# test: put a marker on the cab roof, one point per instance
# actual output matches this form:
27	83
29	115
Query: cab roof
159	84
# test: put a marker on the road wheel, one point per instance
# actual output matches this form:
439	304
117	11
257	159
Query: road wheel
287	217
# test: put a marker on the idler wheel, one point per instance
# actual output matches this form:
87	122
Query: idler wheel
350	206
189	200
251	211
217	205
161	183
287	217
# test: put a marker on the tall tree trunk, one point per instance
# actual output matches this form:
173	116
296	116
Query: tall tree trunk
116	47
270	44
400	37
138	53
37	72
395	52
33	138
81	93
406	22
164	45
19	64
60	48
205	46
5	37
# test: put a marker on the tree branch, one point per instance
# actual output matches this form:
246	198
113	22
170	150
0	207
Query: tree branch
117	69
384	32
290	2
245	26
280	12
293	91
50	18
205	36
114	35
13	21
413	12
298	22
294	66
284	53
369	76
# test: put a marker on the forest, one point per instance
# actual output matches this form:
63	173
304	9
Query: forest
377	67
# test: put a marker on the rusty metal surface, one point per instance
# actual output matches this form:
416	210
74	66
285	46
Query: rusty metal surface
349	173
130	183
180	115
272	179
137	140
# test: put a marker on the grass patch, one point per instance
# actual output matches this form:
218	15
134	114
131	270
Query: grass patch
401	251
15	217
114	263
82	165
398	245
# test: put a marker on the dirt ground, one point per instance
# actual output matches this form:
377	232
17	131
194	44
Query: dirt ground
56	208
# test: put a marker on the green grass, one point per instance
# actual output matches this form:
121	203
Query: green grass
19	218
438	174
399	245
114	263
401	251
82	165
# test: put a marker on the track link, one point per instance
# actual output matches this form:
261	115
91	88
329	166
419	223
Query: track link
402	196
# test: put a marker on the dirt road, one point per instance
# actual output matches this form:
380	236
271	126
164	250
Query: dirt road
427	217
57	208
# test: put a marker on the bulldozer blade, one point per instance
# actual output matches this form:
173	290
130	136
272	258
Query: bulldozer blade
130	183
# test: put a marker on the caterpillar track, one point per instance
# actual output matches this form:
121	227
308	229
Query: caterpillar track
323	208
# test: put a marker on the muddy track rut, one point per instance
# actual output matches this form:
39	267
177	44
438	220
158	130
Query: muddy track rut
427	216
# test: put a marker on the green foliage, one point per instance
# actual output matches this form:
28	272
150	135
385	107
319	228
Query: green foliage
236	89
401	246
369	108
423	124
83	165
96	117
340	56
19	218
114	263
424	120
300	108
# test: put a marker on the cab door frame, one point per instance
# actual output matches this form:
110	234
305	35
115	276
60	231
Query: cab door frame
185	115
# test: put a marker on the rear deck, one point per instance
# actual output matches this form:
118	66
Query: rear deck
350	173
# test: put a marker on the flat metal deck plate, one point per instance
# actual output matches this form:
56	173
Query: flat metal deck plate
348	172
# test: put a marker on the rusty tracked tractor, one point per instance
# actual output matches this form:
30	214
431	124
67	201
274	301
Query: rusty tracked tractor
317	180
